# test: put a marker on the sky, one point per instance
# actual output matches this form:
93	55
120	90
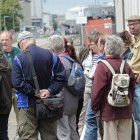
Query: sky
61	6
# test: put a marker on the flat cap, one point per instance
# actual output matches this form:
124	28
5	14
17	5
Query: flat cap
134	17
92	32
24	35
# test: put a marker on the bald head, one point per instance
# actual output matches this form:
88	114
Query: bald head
6	40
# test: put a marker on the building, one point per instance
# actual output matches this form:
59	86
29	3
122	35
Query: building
37	13
123	10
26	9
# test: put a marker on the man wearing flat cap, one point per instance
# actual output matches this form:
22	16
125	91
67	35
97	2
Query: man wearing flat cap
22	80
134	62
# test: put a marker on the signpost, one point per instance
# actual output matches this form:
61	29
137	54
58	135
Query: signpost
81	20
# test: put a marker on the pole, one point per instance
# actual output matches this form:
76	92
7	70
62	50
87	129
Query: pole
114	17
13	21
0	19
4	23
123	10
5	28
82	35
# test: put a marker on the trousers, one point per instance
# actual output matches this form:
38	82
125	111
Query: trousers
4	126
29	126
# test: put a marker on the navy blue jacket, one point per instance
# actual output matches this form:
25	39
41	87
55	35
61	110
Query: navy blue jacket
22	79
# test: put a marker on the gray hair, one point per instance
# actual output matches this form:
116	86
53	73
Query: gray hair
48	45
114	45
58	44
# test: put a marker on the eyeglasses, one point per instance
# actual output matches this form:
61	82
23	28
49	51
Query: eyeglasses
133	24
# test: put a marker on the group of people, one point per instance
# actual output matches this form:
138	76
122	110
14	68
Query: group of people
83	115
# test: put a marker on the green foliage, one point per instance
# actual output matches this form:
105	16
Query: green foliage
11	11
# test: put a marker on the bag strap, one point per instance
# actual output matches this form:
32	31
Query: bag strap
32	70
122	66
73	65
109	66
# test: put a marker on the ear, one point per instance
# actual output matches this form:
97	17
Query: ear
34	41
52	50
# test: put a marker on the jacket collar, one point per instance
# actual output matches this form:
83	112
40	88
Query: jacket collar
112	57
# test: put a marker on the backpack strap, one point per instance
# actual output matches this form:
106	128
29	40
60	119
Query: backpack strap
122	66
67	57
27	53
73	63
109	66
72	73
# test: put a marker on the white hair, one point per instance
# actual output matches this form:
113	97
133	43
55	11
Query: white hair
114	45
58	44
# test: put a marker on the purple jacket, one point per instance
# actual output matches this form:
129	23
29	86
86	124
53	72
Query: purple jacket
101	87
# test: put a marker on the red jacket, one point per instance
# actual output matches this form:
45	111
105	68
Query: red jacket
101	87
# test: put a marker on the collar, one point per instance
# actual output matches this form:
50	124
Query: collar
30	45
111	56
137	37
63	53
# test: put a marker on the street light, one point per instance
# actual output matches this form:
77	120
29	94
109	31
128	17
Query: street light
4	22
13	20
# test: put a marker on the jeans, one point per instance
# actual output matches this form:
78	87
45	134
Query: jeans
136	108
4	126
91	124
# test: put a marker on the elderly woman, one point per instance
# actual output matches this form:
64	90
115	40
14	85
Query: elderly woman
117	121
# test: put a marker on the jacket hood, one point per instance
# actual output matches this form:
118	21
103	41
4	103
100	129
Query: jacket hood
4	64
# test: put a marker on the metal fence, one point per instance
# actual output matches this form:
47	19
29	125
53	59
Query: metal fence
107	29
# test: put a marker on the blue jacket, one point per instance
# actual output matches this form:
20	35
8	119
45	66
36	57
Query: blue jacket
22	79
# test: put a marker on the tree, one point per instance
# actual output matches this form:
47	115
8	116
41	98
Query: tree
10	13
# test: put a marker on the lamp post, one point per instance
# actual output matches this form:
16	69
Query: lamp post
13	20
4	22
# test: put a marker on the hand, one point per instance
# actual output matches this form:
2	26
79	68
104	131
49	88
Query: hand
44	93
37	94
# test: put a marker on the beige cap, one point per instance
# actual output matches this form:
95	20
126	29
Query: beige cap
24	35
134	17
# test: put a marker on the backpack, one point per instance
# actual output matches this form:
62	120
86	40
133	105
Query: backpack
118	95
76	79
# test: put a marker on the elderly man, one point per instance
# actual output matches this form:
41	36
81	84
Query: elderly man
134	62
23	81
66	129
10	52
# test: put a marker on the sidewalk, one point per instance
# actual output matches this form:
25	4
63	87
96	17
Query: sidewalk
12	125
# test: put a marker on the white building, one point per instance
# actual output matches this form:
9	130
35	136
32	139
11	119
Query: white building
36	12
123	10
26	10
